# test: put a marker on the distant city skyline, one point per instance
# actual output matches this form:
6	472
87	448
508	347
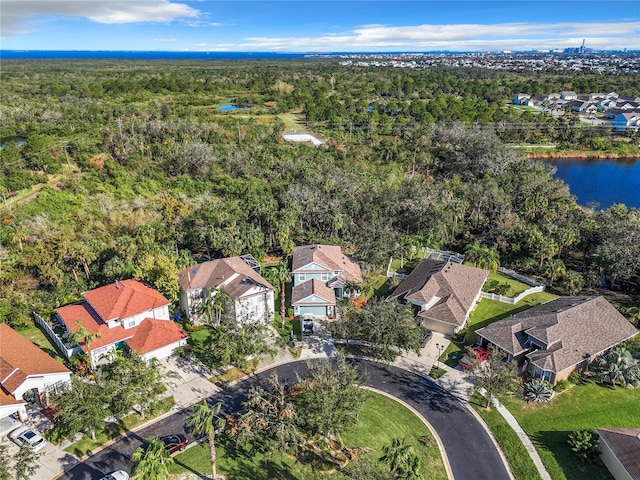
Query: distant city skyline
318	26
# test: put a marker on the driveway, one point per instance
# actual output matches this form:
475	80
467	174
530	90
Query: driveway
470	450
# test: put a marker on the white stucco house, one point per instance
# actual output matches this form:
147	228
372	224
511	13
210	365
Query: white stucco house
252	295
26	374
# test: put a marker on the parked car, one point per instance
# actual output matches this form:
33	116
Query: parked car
474	356
426	336
25	435
307	324
117	475
173	443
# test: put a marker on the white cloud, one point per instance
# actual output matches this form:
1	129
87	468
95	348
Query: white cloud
16	12
461	37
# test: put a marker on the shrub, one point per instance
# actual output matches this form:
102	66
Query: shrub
585	444
562	385
575	377
537	390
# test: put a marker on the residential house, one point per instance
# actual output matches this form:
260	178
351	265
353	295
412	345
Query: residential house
569	95
444	293
620	452
252	295
554	339
322	275
521	98
626	121
125	312
26	374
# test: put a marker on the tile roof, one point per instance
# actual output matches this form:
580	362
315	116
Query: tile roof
572	328
147	333
624	443
238	277
312	287
124	299
19	359
455	285
153	334
328	256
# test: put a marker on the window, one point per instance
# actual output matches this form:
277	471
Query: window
324	277
302	277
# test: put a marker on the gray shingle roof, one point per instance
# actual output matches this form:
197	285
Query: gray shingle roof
570	328
214	273
328	256
455	285
624	443
312	287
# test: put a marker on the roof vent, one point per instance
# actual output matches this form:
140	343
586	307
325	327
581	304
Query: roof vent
117	283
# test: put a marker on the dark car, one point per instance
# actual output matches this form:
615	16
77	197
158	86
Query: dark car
426	336
174	443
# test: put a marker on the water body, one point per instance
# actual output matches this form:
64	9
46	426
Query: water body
601	181
17	141
230	107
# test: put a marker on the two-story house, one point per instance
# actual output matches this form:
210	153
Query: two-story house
322	274
554	339
252	295
125	312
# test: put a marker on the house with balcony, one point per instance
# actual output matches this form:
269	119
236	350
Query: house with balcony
27	374
127	312
443	293
322	275
553	339
239	278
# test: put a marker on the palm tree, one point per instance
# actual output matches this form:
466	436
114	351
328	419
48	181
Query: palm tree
205	420
554	269
205	309
82	335
634	313
472	252
617	367
403	462
152	462
488	258
280	275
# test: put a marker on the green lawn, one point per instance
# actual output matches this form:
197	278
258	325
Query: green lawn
381	419
515	287
489	311
583	406
521	464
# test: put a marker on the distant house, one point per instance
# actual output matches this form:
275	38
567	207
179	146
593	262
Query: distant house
554	339
125	312
626	121
322	274
583	106
521	98
620	452
444	293
252	295
568	95
26	373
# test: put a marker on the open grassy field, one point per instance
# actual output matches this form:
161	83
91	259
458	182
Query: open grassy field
381	419
585	406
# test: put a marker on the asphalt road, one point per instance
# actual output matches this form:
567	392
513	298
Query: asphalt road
471	452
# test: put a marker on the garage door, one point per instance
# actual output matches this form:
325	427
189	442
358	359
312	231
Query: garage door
316	311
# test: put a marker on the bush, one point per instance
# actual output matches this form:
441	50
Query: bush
562	385
575	377
585	444
537	390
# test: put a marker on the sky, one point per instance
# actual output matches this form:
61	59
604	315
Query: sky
318	26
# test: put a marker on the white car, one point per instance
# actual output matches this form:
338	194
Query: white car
22	435
118	475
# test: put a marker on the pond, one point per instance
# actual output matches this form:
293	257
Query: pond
231	107
601	182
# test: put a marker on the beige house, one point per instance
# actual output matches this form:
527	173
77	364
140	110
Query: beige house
620	452
554	339
445	293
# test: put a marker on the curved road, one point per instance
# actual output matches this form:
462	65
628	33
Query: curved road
471	451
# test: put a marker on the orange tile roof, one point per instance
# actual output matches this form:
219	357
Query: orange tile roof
124	299
19	358
152	334
8	399
146	337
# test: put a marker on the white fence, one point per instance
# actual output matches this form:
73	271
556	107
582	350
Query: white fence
63	347
517	276
536	287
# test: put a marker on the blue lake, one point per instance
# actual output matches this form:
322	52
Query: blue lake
231	107
601	181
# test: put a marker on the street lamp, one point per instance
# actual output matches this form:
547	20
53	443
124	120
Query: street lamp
440	348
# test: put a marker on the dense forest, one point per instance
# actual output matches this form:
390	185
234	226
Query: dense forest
128	169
